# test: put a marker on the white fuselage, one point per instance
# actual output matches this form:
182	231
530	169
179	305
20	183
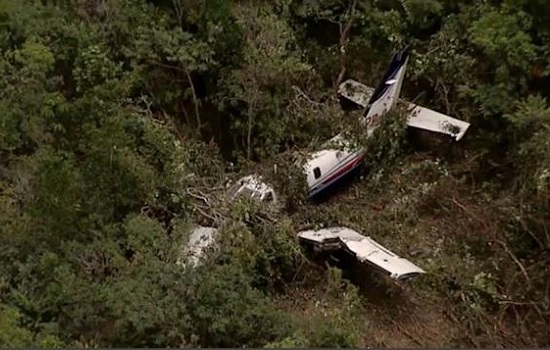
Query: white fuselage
331	164
327	166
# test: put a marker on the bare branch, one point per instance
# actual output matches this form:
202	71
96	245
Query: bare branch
516	260
195	99
344	33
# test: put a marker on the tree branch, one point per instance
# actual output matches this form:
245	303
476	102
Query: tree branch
344	33
195	99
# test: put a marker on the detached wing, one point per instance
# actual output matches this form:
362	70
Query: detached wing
363	248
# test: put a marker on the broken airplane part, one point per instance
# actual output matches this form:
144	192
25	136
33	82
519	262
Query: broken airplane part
201	237
364	249
331	164
339	158
327	166
254	187
419	117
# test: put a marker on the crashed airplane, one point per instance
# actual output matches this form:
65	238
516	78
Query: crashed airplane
328	166
338	157
202	237
333	239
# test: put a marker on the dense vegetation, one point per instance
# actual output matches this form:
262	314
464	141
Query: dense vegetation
121	120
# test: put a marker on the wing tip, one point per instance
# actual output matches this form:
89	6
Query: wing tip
461	134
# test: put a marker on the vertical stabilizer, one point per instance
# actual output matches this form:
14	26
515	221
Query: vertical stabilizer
385	96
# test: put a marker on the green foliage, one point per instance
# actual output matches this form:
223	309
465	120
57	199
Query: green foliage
297	340
263	85
422	12
13	335
530	129
338	326
105	107
228	311
344	326
502	36
92	67
387	143
267	251
288	180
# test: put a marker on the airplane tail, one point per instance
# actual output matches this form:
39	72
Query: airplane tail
377	102
387	92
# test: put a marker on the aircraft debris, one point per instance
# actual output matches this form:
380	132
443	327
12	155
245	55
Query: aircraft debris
419	117
329	165
253	186
364	248
201	237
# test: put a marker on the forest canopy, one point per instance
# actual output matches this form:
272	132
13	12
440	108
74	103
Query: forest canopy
118	118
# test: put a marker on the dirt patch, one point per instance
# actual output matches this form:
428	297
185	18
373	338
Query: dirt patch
418	323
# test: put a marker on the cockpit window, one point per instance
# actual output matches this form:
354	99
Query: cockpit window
268	197
317	173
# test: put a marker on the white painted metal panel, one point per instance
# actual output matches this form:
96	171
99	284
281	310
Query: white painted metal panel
368	250
201	237
356	92
254	187
365	249
383	104
325	234
419	117
427	119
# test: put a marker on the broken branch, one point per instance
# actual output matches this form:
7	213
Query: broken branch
516	260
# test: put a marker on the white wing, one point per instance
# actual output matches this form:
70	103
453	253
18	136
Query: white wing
365	249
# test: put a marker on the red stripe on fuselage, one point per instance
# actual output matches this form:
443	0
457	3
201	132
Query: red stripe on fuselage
344	169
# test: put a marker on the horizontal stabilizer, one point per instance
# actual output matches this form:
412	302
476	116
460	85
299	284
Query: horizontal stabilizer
419	117
356	92
365	249
427	119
